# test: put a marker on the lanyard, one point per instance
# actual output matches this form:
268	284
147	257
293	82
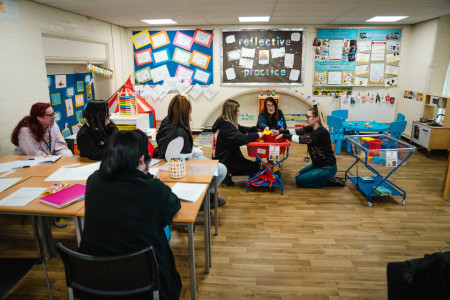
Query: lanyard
49	143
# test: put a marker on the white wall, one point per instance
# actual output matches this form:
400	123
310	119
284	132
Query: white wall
23	66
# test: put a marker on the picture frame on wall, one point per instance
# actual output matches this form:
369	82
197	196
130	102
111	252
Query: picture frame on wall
183	41
143	57
141	39
160	57
203	38
182	57
159	39
200	59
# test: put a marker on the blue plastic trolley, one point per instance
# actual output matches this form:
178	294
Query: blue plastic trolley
384	152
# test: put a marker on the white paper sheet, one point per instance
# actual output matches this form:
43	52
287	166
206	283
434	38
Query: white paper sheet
144	57
362	57
378	50
154	161
289	60
293	76
184	87
164	167
141	39
156	92
334	77
172	82
158	40
230	39
210	92
196	91
234	55
392	57
153	171
28	162
246	63
376	73
202	76
182	57
335	49
7	183
160	73
22	197
295	36
277	52
147	91
160	56
230	73
247	52
361	81
189	191
364	46
362	69
393	70
393	45
67	174
143	75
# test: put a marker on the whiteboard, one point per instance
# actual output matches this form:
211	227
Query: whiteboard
370	111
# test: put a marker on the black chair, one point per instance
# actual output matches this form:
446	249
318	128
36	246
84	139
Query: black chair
13	269
124	276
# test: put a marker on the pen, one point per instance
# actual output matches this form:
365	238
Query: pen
21	167
28	159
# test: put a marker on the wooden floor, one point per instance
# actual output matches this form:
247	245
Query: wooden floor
306	244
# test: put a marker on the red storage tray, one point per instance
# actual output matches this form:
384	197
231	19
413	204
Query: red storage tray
262	148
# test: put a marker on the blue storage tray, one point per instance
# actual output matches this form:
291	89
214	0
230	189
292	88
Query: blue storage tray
367	188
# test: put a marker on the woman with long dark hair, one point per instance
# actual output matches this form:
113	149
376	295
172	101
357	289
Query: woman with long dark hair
37	134
271	118
230	137
174	138
126	209
95	133
317	138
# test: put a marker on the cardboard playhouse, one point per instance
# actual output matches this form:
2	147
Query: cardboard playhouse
127	102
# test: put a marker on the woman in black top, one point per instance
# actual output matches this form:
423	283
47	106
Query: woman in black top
94	134
127	209
317	138
230	136
271	117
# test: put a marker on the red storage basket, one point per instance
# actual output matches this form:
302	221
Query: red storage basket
262	148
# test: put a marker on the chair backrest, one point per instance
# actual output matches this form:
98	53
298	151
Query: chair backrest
341	113
400	117
396	129
336	126
121	276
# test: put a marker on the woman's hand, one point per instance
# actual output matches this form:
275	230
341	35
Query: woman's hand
275	132
260	134
281	128
278	137
266	129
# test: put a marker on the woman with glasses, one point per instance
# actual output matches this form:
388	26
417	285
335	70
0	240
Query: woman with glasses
38	134
95	133
323	168
271	118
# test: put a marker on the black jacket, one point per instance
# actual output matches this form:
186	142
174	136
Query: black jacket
168	133
263	121
89	145
128	214
230	139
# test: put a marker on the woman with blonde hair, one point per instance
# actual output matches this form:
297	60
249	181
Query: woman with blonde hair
174	137
230	137
317	138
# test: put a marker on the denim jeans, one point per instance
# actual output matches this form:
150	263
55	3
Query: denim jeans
310	177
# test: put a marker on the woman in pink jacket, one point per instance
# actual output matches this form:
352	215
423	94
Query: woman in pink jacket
38	134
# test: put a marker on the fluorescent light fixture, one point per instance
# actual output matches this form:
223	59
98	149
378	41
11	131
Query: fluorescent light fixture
387	18
254	19
159	21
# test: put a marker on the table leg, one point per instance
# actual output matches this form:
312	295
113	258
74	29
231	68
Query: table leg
192	259
37	238
207	227
78	229
216	204
47	238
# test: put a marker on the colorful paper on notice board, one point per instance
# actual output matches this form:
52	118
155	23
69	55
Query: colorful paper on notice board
69	102
171	49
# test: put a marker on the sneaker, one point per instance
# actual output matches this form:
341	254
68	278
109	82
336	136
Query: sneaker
336	181
228	181
60	222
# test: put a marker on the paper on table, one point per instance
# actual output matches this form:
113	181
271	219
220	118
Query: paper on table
22	196
67	174
164	167
189	191
154	161
202	169
7	182
153	171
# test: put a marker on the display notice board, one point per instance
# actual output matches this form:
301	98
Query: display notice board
185	54
357	57
262	57
69	94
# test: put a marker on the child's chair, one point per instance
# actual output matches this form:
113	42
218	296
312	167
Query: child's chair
341	113
396	129
337	133
400	117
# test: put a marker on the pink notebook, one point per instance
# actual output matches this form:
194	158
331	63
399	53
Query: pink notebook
66	196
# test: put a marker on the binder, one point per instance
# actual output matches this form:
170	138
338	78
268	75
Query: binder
66	196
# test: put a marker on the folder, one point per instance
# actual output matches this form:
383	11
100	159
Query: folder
66	196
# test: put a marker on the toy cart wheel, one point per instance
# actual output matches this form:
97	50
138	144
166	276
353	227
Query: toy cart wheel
369	204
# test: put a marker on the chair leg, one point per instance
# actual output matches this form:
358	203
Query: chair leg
155	295
338	146
46	279
71	296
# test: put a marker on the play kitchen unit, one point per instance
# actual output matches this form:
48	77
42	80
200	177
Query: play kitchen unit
432	131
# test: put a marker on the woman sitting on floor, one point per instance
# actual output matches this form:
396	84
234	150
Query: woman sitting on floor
230	137
97	130
174	138
127	209
323	168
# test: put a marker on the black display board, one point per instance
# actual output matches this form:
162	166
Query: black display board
262	57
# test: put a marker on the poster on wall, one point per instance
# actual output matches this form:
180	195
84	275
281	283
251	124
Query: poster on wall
69	102
165	54
261	56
